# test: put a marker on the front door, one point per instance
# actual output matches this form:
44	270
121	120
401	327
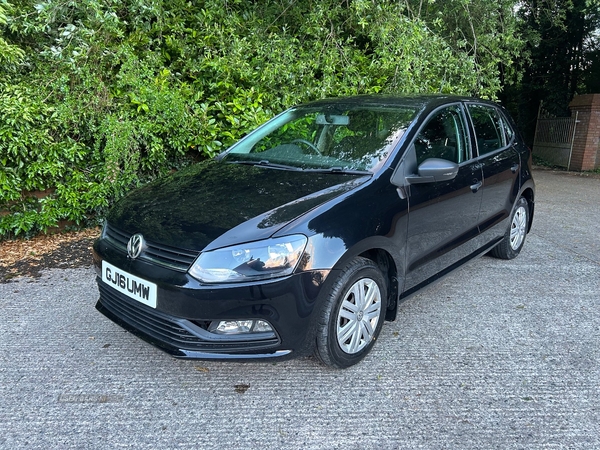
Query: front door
442	218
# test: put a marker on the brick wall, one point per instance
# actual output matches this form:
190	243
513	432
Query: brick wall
586	145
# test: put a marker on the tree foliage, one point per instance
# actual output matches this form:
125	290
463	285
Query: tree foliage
98	96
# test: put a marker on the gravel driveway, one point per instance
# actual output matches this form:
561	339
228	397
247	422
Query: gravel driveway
498	355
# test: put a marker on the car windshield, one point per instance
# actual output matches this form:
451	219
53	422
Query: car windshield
331	138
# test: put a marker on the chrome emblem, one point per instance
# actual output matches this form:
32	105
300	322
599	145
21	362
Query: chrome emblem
135	246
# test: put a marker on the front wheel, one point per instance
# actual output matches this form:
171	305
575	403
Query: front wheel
353	314
514	238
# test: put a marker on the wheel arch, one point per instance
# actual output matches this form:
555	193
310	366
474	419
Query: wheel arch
389	269
529	195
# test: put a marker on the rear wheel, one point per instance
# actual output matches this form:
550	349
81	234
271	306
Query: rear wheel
513	240
353	314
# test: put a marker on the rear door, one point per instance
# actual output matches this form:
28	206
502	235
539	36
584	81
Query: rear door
500	163
442	223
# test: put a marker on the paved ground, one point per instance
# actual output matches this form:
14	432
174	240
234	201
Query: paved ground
499	355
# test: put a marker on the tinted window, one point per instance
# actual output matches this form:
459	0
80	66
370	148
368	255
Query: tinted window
443	136
508	131
489	130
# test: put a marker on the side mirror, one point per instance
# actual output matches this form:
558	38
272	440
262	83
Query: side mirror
433	170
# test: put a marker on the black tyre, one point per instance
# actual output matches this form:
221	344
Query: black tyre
515	235
353	314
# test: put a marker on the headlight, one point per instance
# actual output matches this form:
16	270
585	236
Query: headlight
260	260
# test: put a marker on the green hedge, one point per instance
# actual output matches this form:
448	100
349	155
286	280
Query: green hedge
99	96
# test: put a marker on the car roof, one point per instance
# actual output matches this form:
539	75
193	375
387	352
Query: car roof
418	102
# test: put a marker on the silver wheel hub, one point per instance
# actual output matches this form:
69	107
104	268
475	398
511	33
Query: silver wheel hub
518	228
358	316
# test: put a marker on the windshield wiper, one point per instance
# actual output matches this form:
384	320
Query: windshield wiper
336	169
265	163
339	170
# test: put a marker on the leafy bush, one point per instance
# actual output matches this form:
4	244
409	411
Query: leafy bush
99	96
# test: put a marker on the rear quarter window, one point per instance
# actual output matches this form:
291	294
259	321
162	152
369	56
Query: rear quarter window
508	131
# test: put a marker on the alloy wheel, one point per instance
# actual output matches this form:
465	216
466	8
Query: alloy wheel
518	228
358	316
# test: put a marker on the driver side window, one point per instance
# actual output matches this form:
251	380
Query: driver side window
443	136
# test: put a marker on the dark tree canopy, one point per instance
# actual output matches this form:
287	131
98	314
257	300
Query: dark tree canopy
559	60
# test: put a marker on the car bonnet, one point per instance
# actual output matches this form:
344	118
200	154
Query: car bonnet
214	204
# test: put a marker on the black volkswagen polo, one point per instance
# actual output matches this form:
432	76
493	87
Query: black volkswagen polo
306	234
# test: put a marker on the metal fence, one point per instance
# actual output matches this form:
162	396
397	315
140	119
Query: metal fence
554	140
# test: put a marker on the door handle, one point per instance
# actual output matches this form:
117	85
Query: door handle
475	187
514	168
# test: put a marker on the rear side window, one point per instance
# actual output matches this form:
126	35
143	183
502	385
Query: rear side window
489	128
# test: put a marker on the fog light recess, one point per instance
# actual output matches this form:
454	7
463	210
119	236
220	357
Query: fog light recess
240	326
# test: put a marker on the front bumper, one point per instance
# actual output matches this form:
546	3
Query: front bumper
179	323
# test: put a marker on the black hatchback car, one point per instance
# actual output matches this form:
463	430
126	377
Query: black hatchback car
306	234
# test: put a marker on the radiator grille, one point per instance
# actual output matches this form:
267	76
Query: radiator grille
162	255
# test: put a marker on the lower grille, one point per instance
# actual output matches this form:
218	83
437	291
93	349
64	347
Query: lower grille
173	333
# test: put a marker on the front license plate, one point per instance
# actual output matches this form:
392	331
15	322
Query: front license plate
133	287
